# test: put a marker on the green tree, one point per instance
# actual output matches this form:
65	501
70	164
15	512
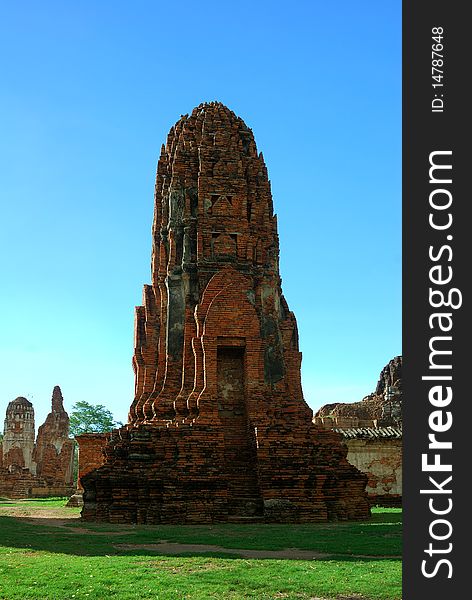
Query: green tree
90	418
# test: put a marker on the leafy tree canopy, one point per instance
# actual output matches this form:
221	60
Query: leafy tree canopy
90	418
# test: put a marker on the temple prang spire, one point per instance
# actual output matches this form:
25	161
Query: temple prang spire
213	210
218	427
57	403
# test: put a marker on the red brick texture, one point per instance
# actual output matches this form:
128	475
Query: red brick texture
90	453
218	429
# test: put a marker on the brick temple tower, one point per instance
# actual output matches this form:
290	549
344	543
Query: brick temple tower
18	439
218	429
54	451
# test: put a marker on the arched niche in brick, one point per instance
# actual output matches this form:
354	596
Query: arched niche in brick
226	318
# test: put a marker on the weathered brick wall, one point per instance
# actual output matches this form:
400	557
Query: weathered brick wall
154	475
181	475
17	483
20	483
376	451
90	453
381	460
216	358
15	458
372	430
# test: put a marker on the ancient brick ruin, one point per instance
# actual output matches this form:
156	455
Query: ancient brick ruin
54	451
377	452
44	468
372	431
218	429
18	435
384	405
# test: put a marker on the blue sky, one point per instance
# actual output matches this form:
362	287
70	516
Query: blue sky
88	92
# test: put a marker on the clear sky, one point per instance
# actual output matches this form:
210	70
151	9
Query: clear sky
88	92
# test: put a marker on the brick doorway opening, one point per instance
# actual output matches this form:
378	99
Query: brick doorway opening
240	444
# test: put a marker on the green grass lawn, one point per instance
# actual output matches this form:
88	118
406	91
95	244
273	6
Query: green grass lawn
44	556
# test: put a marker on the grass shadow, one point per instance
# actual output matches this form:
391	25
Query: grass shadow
376	539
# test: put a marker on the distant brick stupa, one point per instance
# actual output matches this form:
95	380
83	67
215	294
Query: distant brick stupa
18	438
218	429
44	468
54	451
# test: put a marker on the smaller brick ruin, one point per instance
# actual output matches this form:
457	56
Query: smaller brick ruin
54	451
44	468
384	405
372	432
18	438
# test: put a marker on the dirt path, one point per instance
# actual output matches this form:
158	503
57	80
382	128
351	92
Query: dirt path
51	517
25	512
173	548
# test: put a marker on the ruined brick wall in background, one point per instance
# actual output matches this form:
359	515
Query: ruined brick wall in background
372	431
381	460
384	405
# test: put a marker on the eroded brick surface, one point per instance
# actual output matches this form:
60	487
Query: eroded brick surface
218	428
90	453
381	460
